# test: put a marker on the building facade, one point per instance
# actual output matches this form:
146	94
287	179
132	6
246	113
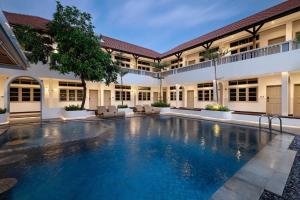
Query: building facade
259	71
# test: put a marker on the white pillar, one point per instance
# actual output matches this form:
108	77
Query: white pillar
184	93
284	93
289	31
177	95
101	95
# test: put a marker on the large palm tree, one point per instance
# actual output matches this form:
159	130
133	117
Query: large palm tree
160	66
214	56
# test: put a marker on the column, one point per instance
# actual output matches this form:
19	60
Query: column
289	31
177	96
285	93
184	92
101	95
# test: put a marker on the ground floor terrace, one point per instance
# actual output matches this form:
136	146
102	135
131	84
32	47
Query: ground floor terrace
277	94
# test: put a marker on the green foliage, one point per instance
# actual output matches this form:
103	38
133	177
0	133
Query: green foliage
160	65
37	46
217	108
2	110
73	108
78	48
122	106
212	54
160	104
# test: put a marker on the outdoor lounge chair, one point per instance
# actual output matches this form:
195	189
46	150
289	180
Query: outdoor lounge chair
138	109
114	111
103	112
151	110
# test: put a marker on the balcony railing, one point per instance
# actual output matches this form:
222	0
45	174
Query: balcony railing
255	53
141	72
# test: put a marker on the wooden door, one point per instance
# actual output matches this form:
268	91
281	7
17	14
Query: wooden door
297	101
165	96
155	96
93	99
107	98
190	99
274	100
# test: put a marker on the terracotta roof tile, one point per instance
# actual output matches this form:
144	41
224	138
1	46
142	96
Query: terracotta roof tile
35	22
114	44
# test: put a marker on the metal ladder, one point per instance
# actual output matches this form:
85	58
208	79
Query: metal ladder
270	119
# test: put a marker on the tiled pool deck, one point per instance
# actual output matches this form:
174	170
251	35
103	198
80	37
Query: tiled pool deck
268	170
274	173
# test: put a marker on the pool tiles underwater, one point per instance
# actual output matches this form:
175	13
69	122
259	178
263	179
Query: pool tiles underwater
155	157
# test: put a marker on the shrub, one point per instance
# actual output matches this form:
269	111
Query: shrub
72	108
217	108
160	104
122	106
2	111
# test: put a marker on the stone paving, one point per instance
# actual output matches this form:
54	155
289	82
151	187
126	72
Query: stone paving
292	187
268	170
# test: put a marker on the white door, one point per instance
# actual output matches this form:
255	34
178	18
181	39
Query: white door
190	98
107	98
93	99
155	96
274	100
297	101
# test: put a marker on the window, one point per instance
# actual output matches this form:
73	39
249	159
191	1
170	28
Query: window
144	96
276	40
63	95
36	94
243	82
243	41
125	95
173	96
204	85
191	62
70	84
173	93
25	94
144	68
243	94
205	95
123	62
70	95
232	94
14	94
25	81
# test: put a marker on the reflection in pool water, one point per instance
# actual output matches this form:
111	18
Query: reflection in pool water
155	157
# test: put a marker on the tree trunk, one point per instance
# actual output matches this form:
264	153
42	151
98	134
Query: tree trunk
160	83
216	80
84	91
122	89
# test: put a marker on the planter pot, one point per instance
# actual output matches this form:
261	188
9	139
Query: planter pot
128	111
4	118
78	114
165	110
216	114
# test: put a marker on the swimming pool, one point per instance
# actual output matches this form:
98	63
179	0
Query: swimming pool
154	157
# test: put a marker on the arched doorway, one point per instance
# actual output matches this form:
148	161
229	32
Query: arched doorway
24	99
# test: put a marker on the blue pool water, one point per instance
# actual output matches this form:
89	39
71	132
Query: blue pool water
155	157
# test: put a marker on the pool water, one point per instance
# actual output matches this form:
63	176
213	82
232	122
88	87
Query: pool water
154	157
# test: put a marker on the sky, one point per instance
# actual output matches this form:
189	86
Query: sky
156	24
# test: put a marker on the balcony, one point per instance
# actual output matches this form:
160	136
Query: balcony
255	53
141	72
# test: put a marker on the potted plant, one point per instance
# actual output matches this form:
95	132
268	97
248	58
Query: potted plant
75	112
216	111
164	107
3	116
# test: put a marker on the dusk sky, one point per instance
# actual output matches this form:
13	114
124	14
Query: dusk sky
156	24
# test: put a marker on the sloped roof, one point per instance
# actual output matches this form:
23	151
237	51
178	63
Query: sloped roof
256	19
264	16
35	22
114	44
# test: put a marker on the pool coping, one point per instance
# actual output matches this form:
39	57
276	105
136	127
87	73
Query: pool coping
268	170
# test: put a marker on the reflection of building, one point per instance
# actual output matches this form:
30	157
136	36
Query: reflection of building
260	72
